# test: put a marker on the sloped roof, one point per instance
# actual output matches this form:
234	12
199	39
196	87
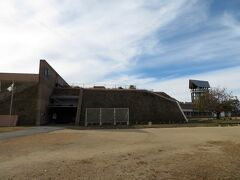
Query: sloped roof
193	84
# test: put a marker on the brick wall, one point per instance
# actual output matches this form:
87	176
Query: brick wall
6	120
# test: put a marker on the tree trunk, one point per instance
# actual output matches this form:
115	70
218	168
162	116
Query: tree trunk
218	115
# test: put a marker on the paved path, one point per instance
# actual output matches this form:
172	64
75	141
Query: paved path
28	131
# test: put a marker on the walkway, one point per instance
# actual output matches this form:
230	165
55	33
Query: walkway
28	131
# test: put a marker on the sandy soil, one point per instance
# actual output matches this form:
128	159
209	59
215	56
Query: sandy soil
174	153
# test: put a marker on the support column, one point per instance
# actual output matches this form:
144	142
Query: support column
100	118
128	118
114	117
79	107
85	122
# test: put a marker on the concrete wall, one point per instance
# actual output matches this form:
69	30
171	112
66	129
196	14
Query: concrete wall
144	106
48	80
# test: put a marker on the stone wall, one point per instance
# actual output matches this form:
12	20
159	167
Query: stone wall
144	106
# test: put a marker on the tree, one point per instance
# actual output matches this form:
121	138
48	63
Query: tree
132	87
217	100
235	104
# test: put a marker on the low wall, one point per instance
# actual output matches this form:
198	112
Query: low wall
7	120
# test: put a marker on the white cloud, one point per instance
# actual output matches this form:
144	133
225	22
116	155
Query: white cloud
231	22
216	43
90	41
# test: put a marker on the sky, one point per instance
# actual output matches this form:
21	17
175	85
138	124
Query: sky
154	44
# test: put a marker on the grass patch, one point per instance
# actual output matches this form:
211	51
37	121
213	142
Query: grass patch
191	123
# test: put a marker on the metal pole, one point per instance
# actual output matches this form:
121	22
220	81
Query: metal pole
11	104
100	117
114	116
128	117
86	122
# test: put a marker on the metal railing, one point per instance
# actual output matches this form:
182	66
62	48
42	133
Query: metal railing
107	86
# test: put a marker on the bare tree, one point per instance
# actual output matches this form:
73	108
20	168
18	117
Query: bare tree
217	100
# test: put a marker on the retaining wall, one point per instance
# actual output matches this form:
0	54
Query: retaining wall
144	106
24	103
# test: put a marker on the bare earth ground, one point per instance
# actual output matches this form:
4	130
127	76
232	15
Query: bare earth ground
164	153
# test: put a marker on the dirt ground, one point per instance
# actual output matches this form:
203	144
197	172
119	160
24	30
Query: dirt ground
164	153
10	129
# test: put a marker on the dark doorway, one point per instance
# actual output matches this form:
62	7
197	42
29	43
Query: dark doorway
62	115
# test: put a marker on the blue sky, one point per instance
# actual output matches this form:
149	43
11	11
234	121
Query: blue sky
154	44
